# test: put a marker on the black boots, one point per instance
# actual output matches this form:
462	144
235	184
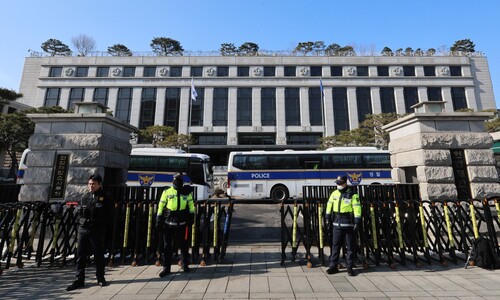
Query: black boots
75	285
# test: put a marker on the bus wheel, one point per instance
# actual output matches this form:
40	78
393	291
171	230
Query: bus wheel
279	193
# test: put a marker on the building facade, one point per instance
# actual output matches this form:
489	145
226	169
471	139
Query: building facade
257	102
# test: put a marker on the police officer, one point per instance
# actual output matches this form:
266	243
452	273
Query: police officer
175	214
95	210
344	211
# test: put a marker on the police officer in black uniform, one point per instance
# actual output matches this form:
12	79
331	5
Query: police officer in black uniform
95	211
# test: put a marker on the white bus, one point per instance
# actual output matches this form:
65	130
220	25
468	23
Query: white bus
280	175
157	166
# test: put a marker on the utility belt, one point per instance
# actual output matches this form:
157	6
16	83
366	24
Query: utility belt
175	223
343	219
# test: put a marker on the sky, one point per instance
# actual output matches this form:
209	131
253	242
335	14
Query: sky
203	25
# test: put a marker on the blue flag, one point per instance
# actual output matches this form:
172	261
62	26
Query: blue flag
194	94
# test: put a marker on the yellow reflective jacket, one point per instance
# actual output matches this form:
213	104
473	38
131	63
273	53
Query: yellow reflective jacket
348	204
175	209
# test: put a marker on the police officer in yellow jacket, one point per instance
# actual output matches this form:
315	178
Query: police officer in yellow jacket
175	213
344	211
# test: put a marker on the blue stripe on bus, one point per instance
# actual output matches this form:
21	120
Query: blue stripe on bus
275	175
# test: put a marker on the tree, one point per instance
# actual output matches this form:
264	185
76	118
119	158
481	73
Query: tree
332	50
318	47
408	51
228	49
248	49
119	50
465	45
177	141
155	134
387	52
163	46
418	52
347	51
55	47
84	44
304	48
430	52
8	95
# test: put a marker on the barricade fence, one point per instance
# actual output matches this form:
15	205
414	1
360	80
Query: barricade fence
47	232
397	226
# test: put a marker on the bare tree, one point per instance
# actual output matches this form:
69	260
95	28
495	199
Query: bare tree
84	44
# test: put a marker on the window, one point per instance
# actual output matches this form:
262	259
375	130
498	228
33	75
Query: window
290	71
409	70
55	72
279	162
364	102
123	104
243	71
387	100
148	105
175	71
52	96
383	71
429	71
336	71
256	139
219	114
302	139
101	96
197	107
340	110
102	72
244	107
411	98
434	94
315	107
458	98
172	104
82	72
269	71
196	71
455	70
292	107
362	70
75	95
222	71
212	139
316	71
268	106
149	71
128	71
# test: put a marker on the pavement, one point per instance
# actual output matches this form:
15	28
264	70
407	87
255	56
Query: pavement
254	271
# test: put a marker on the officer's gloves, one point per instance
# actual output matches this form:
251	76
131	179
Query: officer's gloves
357	222
160	220
190	219
86	213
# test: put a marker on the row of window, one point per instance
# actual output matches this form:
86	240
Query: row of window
220	109
244	71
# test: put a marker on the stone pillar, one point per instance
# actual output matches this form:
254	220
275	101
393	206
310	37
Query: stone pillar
67	148
448	154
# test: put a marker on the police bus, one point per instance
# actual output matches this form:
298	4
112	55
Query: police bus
150	167
280	175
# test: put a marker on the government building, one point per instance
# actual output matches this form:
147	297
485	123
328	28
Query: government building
270	102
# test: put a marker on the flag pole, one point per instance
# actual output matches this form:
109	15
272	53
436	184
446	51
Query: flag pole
323	106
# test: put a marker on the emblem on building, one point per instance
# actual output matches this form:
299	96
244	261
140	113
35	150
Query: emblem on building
117	72
210	71
69	72
444	71
257	71
163	71
397	71
304	71
351	71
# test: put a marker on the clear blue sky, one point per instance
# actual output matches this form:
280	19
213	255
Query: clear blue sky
272	24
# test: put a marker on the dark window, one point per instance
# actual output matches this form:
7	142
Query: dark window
434	94
243	71
222	71
269	71
302	139
429	71
52	96
316	71
197	107
128	71
292	107
411	98
362	70
364	102
148	105
55	72
196	71
212	139
149	71
340	110
244	107
290	71
82	72
75	95
336	71
383	71
172	104
387	100
256	139
220	107
315	107
123	104
164	164
409	70
101	96
455	70
268	106
102	72
175	71
458	98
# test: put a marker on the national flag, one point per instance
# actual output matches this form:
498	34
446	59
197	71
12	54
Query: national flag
321	88
194	94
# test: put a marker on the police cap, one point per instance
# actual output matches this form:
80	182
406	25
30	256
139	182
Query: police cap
341	180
